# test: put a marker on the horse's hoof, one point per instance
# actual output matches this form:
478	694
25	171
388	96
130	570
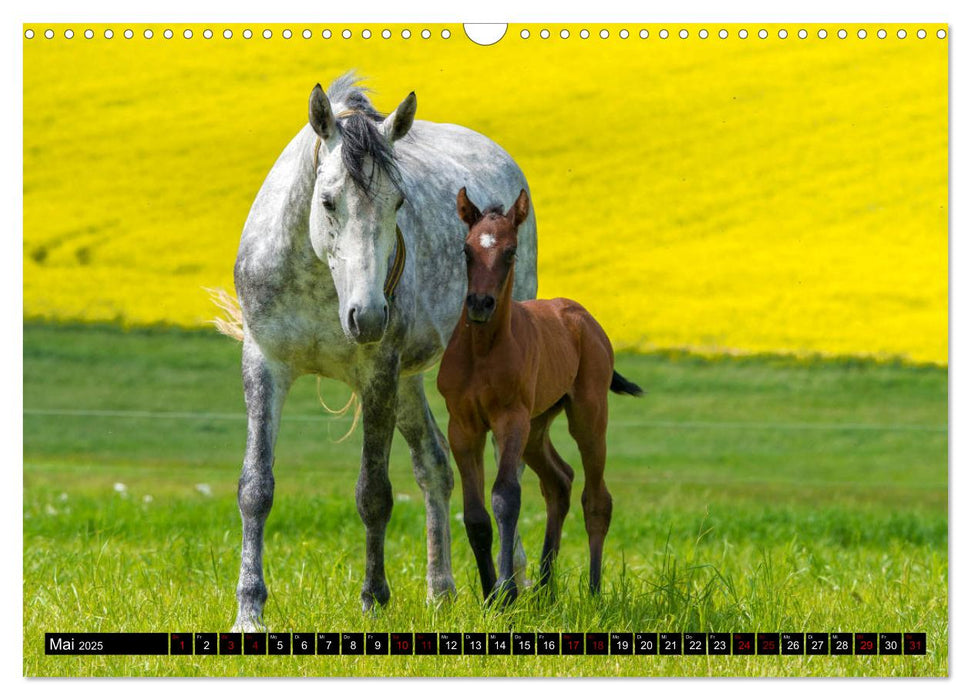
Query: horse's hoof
372	597
440	592
249	623
503	594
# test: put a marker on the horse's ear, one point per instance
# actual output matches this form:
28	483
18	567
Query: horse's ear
468	212
399	121
519	210
321	115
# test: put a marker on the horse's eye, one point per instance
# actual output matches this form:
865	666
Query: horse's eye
328	203
468	253
510	255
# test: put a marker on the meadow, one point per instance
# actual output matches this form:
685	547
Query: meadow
745	195
751	494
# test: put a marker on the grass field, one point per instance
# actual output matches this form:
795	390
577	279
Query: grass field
754	195
754	494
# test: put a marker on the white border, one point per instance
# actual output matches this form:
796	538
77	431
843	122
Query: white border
713	11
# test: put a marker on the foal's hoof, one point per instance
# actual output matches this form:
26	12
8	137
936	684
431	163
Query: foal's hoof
376	595
503	594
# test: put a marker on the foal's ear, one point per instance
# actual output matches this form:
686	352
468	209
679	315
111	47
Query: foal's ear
519	210
321	115
399	121
468	212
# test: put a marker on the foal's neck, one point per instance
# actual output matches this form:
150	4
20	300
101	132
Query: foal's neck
485	336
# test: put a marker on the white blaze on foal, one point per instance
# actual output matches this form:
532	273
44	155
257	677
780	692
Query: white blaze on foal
487	240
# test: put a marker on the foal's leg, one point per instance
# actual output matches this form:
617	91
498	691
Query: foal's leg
512	431
429	455
467	448
379	394
265	386
519	552
555	482
587	415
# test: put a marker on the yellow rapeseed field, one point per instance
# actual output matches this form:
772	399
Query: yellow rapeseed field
722	195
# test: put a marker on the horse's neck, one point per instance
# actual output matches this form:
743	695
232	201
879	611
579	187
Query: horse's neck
485	337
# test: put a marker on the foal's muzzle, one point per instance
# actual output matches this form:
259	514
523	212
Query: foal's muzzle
480	307
367	324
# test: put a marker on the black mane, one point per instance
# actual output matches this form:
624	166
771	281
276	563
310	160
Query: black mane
357	122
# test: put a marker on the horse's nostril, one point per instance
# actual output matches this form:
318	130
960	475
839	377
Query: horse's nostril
352	320
385	315
489	302
470	300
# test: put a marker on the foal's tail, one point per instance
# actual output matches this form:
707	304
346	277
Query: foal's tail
619	385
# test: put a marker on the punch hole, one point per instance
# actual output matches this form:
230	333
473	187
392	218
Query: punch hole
30	33
803	33
703	33
861	33
187	33
267	33
564	33
821	34
89	34
743	33
207	33
663	33
385	33
247	33
68	33
604	33
168	33
425	34
941	33
921	34
901	33
584	34
108	34
524	34
644	34
683	34
882	34
763	34
228	34
287	34
446	34
326	34
148	33
346	33
129	33
49	34
405	33
366	34
624	33
841	33
783	33
723	33
544	34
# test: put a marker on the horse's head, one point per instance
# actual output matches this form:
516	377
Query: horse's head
490	252
357	194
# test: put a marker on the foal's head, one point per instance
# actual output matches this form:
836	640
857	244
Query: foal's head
490	252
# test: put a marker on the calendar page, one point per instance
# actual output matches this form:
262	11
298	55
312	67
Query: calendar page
394	350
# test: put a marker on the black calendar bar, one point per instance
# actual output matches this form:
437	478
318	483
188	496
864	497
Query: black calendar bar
632	644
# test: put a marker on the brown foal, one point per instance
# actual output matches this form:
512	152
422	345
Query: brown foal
511	367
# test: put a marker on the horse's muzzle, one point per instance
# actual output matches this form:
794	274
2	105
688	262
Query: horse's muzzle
480	307
367	324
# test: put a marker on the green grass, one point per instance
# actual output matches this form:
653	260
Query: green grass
757	494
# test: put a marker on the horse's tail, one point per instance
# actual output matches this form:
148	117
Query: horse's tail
231	322
619	385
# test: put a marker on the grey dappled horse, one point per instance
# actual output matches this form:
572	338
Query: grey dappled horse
351	266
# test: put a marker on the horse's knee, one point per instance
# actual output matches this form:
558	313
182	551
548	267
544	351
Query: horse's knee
374	500
598	506
506	496
255	495
433	471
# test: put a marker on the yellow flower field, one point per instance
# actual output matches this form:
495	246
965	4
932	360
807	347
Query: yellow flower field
722	195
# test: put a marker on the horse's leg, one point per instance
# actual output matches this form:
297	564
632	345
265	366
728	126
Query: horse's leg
512	432
587	415
265	386
429	456
379	393
468	448
519	552
555	483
